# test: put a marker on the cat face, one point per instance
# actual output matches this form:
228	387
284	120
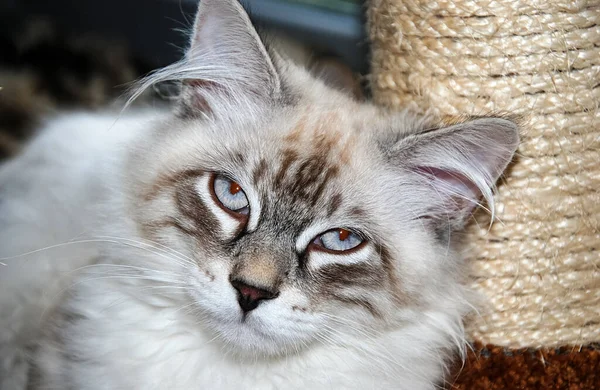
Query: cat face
301	216
288	232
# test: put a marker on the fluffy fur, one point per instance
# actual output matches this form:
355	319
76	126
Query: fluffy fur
132	288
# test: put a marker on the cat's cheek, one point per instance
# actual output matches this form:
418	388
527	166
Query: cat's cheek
211	288
286	321
421	252
211	273
294	300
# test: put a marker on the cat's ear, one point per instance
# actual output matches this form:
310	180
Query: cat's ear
226	58
457	166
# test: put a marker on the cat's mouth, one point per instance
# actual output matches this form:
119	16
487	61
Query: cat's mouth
241	333
248	335
248	328
258	334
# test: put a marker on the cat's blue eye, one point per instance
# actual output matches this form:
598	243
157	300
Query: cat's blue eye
230	195
338	240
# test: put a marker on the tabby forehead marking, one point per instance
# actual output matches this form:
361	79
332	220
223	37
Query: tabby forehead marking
334	204
314	150
304	177
327	132
358	212
289	157
259	171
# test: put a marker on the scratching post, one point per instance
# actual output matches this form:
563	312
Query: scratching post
539	264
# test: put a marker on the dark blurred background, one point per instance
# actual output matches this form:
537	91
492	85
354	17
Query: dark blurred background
152	28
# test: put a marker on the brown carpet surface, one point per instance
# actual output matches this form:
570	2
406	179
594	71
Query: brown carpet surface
493	368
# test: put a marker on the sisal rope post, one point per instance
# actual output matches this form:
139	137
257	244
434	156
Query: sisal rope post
539	264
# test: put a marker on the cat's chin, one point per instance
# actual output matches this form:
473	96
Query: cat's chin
248	337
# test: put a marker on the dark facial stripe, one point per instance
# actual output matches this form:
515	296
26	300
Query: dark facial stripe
191	205
390	271
259	171
366	276
34	375
334	204
238	158
289	156
357	212
329	174
307	183
201	223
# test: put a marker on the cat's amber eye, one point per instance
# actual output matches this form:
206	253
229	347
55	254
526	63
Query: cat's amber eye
338	241
229	195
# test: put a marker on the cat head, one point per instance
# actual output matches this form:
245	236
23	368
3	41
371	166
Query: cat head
296	215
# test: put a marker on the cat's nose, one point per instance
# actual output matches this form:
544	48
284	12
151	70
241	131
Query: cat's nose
250	296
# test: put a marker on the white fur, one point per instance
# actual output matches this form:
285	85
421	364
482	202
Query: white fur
48	211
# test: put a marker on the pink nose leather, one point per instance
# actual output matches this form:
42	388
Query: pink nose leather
249	297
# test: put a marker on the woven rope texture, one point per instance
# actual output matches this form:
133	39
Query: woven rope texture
539	264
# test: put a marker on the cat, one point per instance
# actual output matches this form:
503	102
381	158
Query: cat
266	232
